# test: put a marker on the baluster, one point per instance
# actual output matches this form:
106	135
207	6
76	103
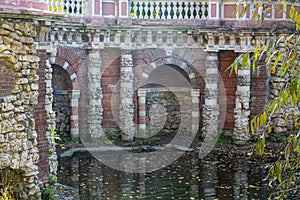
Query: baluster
189	13
160	13
183	13
149	38
194	10
52	36
172	10
73	7
78	37
166	13
69	37
177	10
68	7
79	7
65	6
206	10
143	11
50	7
55	6
148	11
132	10
154	12
117	40
128	38
60	5
138	12
172	13
60	35
96	37
200	10
169	38
76	4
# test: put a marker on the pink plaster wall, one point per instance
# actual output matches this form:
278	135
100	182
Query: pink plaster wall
108	8
228	10
213	10
97	7
124	9
278	13
36	4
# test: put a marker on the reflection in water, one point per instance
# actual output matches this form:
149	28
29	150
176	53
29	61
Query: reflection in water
186	178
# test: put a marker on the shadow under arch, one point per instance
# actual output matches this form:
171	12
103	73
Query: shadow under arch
167	87
62	90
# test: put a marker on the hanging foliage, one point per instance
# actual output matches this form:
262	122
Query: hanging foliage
281	57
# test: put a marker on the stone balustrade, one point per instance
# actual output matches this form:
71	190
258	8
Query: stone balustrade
137	37
152	10
169	10
72	7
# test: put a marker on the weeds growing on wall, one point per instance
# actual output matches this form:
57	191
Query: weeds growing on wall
6	193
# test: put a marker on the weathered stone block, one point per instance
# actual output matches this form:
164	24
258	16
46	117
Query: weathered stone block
4	32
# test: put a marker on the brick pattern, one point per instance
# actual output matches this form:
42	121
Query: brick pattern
70	59
259	86
225	59
40	116
7	80
110	77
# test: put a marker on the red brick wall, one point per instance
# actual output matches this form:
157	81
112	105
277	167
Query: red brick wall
258	90
7	78
225	59
40	117
110	77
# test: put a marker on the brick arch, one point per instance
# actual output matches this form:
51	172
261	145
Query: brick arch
65	82
142	72
68	68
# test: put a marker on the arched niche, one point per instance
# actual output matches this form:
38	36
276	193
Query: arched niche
167	86
62	88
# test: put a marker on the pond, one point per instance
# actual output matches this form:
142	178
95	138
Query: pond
215	177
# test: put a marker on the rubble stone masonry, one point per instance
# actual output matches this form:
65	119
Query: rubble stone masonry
18	137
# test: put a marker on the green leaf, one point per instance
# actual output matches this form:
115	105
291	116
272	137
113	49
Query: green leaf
260	145
278	171
279	56
292	12
284	6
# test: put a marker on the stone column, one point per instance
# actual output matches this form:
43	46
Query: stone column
94	108
52	156
142	111
242	106
126	107
195	93
211	107
74	96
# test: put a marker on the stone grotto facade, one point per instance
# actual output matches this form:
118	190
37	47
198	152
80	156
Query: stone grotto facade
82	67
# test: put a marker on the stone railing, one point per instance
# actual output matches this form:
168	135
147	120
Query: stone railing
137	37
154	10
169	10
72	7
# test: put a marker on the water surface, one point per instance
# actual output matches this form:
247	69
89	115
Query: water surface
219	177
